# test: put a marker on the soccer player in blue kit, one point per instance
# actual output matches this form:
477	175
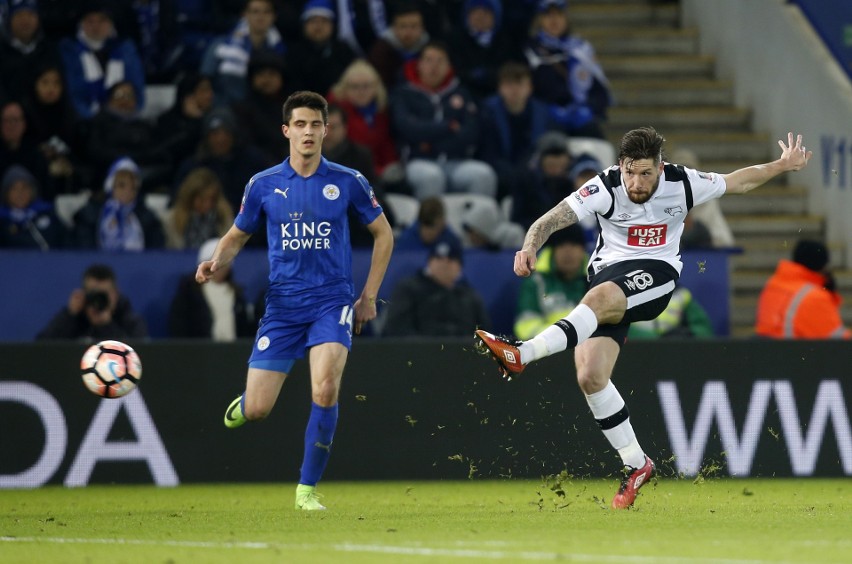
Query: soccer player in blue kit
310	303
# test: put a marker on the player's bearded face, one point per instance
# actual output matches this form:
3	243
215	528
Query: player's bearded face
641	178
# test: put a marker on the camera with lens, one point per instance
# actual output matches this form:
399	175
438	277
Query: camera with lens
97	299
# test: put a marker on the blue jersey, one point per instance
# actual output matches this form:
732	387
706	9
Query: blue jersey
307	225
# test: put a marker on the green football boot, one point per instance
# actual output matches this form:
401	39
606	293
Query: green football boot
307	498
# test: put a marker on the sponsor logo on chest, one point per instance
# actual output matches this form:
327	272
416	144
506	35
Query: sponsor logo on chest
646	235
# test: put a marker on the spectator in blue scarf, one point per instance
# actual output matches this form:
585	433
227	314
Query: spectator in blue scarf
97	58
226	60
26	222
566	74
118	220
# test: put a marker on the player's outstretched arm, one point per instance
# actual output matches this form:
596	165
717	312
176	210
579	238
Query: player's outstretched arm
794	156
229	246
558	217
365	305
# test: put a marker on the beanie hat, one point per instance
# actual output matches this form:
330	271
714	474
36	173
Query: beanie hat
16	5
571	234
220	117
16	173
545	5
124	163
811	254
321	8
446	249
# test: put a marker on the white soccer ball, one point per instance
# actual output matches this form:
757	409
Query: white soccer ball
111	369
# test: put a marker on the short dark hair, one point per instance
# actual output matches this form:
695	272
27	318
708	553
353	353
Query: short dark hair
100	272
513	71
305	99
642	143
431	211
335	109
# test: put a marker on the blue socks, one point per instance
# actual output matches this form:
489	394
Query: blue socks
318	438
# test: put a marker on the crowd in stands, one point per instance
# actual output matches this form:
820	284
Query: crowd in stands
427	99
433	98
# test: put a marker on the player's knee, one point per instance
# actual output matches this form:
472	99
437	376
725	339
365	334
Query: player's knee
255	412
325	394
590	380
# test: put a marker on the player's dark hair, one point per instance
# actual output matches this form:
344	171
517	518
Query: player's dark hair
642	143
99	272
305	99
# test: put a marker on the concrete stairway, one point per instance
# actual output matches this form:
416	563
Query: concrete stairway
659	78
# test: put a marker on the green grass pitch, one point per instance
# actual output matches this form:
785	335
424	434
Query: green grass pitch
726	521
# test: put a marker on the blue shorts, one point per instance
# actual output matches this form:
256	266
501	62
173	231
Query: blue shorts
284	335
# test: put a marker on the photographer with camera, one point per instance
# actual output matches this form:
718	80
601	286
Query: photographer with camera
95	312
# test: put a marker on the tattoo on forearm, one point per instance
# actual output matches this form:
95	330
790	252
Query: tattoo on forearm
559	217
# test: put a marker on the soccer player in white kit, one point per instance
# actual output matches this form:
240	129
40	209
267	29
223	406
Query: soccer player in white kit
640	205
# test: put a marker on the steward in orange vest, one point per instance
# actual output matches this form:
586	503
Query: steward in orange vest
799	301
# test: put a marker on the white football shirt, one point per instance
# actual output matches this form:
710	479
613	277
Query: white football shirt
652	230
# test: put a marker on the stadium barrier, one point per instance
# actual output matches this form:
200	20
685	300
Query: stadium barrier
39	283
428	410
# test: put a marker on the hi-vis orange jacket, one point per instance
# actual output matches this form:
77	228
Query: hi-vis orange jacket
794	305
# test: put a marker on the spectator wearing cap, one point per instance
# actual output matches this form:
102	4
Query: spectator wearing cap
557	285
437	126
437	301
259	114
226	59
799	301
486	229
216	311
566	74
24	49
179	128
222	151
429	229
481	46
317	60
513	120
117	218
26	222
97	59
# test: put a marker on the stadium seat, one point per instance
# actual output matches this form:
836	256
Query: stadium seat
159	204
456	204
66	205
601	149
158	99
404	208
506	208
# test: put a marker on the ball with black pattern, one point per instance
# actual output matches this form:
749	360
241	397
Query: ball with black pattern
111	369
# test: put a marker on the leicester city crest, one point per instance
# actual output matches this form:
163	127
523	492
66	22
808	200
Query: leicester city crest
331	192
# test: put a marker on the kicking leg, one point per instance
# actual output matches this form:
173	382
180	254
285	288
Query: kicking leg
262	389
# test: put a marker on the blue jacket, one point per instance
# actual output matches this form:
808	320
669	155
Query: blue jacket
498	141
